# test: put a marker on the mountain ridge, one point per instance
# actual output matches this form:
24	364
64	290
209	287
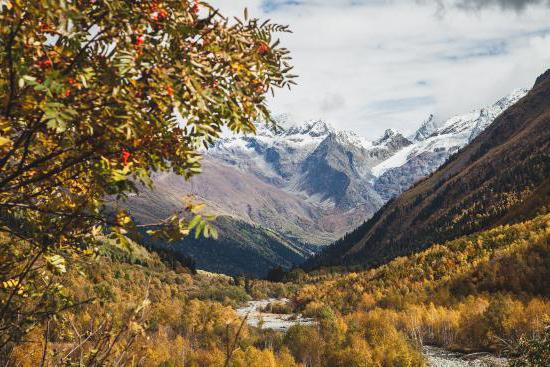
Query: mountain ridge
474	189
309	183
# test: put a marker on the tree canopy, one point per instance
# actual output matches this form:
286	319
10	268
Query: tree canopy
95	97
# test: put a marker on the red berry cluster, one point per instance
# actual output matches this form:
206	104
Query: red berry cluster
195	8
45	63
170	90
157	13
125	155
263	48
74	84
139	40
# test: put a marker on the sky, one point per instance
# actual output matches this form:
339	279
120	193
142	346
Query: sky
370	65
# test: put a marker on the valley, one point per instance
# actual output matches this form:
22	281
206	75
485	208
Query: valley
283	195
438	357
257	316
478	284
166	202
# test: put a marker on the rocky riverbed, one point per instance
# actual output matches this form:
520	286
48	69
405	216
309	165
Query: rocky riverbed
436	357
266	320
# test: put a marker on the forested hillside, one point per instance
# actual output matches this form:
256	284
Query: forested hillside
478	292
501	177
240	249
128	308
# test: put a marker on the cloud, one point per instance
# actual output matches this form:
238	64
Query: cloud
273	5
332	101
368	65
517	5
400	104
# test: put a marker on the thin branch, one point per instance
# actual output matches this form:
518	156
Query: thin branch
19	283
46	339
231	351
21	168
83	341
49	174
11	68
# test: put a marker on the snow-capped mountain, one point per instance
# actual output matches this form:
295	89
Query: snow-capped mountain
312	182
432	146
425	130
279	195
328	167
341	170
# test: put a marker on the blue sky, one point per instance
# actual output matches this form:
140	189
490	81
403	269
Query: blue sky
368	65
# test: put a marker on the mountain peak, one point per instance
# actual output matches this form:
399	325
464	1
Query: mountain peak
392	138
388	134
314	128
513	97
349	137
425	130
543	77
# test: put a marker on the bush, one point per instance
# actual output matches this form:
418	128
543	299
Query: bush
283	308
534	352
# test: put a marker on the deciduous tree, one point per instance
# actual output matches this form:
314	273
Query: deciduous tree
95	97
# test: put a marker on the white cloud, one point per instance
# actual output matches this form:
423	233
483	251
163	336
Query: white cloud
368	65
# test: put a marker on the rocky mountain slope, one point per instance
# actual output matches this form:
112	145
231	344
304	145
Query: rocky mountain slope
433	145
336	173
502	176
309	184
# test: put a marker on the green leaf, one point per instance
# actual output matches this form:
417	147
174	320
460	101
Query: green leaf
196	220
199	229
57	263
214	232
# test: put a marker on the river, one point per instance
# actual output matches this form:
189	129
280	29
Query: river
436	357
267	320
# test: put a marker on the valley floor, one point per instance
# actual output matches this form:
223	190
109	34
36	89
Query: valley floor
438	357
482	292
257	314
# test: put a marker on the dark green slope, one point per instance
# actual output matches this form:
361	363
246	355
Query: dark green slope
241	249
501	177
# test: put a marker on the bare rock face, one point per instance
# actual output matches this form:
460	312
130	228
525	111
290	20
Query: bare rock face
426	130
338	171
396	180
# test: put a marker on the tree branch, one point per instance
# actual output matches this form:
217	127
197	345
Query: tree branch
11	68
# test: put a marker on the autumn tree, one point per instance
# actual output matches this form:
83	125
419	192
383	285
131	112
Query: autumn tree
96	96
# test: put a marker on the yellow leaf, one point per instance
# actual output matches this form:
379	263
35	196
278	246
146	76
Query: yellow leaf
57	263
4	141
10	283
123	218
